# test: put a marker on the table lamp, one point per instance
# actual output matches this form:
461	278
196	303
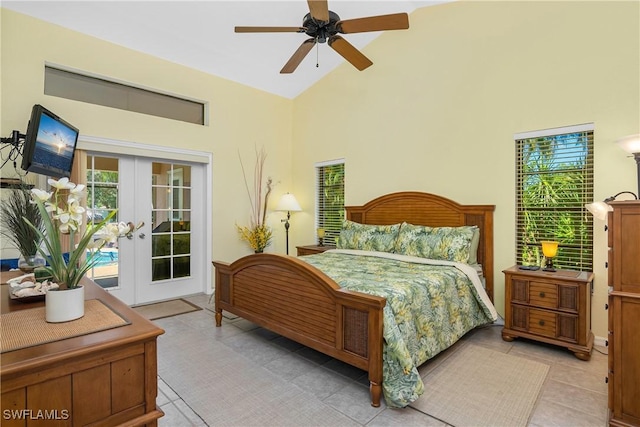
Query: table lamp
288	203
549	250
320	233
600	209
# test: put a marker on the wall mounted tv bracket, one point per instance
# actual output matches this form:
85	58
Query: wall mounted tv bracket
15	142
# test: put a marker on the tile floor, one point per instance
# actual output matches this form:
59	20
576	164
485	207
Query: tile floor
294	385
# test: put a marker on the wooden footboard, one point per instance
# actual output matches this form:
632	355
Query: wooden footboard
298	301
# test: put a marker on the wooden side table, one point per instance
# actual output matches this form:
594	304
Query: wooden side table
313	249
103	378
551	307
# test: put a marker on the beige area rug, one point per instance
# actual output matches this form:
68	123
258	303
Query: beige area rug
163	309
477	386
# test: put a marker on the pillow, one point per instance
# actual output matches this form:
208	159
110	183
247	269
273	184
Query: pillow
443	243
475	242
367	237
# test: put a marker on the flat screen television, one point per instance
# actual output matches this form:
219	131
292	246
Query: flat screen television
49	144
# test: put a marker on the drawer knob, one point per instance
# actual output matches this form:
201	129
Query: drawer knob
542	295
606	343
606	380
606	306
606	265
541	322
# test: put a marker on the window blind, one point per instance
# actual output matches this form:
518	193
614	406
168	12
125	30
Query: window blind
330	199
101	91
554	181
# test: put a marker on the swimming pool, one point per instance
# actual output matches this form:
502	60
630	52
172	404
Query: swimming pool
105	257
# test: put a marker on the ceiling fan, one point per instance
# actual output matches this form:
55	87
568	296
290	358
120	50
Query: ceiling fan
323	25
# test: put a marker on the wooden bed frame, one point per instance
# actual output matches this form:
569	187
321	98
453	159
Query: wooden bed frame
294	299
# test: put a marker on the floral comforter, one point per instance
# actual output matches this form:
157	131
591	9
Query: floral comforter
430	305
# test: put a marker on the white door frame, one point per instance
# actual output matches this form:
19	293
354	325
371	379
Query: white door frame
111	146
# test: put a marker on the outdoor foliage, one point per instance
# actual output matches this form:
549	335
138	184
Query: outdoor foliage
331	200
555	186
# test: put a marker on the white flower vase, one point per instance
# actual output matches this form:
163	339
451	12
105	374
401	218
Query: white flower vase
64	305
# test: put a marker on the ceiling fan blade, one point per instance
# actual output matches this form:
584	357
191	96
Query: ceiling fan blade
270	30
298	56
350	53
395	21
319	9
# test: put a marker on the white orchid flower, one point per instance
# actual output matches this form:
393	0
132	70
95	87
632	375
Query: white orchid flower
76	193
66	223
111	233
78	189
50	207
62	184
96	244
64	228
124	228
67	217
40	195
76	211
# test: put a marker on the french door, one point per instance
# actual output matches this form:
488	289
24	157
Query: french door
165	258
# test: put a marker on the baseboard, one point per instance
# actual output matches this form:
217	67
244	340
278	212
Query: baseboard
600	341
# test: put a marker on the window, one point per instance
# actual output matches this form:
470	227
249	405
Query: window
100	91
330	203
171	219
554	181
102	199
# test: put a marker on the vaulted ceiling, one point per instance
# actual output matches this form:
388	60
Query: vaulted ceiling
200	34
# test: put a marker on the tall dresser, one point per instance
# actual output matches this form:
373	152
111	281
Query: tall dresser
624	313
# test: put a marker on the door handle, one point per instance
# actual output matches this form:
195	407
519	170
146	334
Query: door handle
141	235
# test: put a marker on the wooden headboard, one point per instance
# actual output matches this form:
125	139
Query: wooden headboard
435	211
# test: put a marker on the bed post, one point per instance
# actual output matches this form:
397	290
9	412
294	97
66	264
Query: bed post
222	290
375	356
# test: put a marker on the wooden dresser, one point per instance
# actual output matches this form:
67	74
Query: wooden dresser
105	378
624	313
552	307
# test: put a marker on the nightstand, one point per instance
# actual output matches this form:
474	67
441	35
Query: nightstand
551	307
313	249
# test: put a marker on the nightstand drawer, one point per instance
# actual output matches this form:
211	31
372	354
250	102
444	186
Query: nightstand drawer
543	295
542	322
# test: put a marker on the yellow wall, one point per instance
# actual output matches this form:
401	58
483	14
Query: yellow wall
438	109
436	112
240	118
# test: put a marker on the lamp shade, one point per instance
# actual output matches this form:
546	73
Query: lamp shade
288	203
599	210
630	144
549	248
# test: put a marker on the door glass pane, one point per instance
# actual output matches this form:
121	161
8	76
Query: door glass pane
171	216
102	198
182	266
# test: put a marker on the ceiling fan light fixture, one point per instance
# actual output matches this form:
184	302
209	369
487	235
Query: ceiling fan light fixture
323	26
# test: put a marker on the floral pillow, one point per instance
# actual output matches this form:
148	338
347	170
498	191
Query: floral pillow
443	243
366	237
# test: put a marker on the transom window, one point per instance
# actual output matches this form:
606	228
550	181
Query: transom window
101	91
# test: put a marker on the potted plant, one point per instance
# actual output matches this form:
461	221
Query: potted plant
60	217
258	235
15	208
